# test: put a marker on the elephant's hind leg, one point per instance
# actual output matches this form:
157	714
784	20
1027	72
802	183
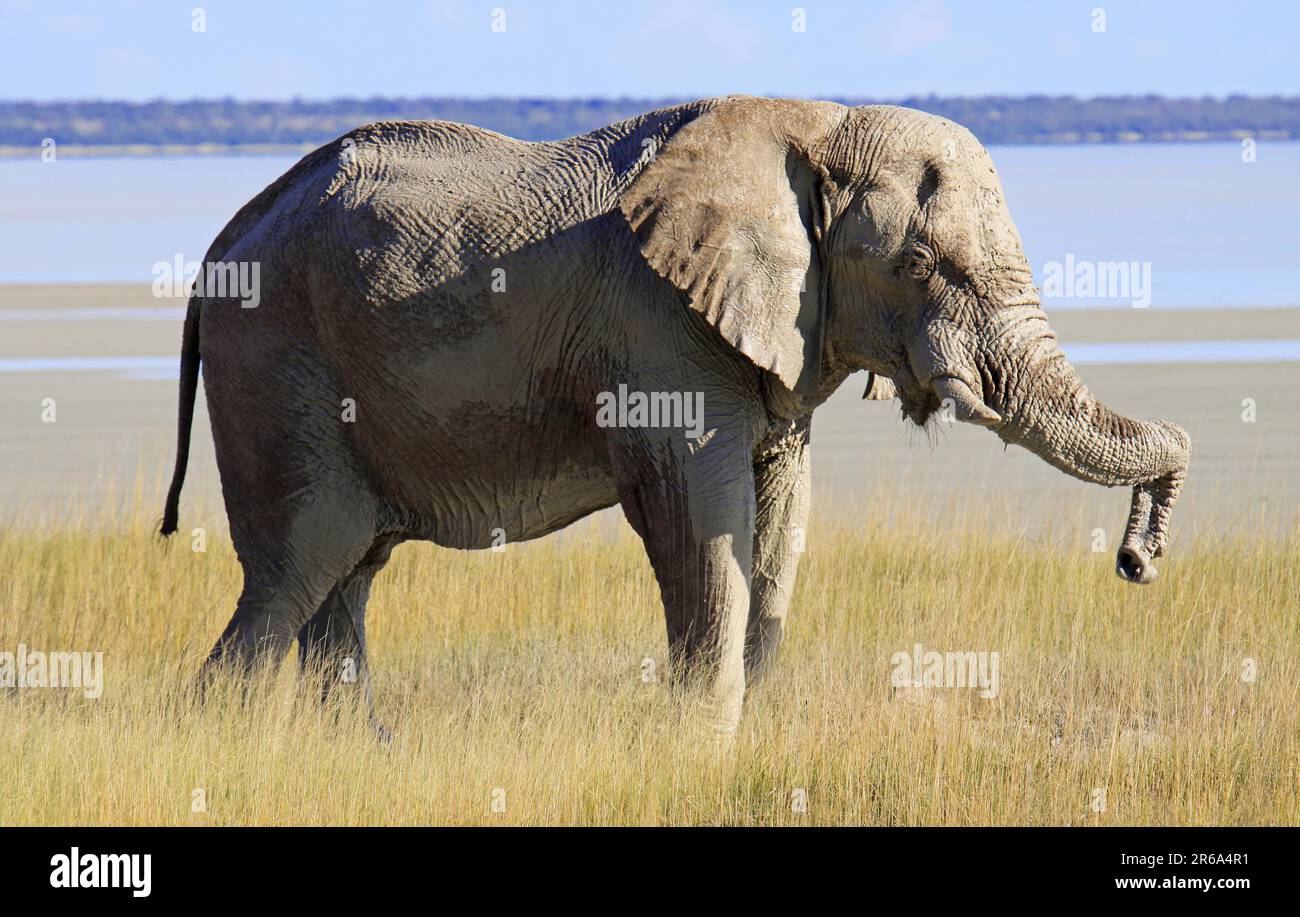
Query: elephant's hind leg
332	644
302	516
295	551
282	590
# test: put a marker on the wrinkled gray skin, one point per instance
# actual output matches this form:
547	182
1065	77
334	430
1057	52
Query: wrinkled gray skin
757	251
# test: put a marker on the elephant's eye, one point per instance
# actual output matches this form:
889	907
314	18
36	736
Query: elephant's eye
920	261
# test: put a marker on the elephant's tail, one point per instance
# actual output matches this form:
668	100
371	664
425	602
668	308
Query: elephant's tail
188	389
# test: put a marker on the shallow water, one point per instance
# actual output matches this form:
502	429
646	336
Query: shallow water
1143	352
126	367
110	314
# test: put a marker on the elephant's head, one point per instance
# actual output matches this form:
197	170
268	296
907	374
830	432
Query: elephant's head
820	239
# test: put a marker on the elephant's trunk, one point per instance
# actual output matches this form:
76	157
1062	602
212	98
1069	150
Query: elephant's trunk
1046	408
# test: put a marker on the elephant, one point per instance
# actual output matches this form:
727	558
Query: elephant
446	314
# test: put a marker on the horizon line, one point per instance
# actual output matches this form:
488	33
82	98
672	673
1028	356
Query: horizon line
1149	96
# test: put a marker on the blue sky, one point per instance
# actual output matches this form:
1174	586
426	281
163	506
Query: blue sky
270	49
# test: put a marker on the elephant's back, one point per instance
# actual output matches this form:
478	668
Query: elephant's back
404	172
464	192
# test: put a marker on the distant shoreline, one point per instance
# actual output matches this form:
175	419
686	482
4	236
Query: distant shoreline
230	126
84	150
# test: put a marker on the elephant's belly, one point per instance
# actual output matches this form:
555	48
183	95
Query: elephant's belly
488	515
553	505
475	477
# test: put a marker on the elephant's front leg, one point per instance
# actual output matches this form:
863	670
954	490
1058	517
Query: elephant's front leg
782	487
694	510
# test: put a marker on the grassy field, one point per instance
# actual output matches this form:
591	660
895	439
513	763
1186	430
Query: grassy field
516	681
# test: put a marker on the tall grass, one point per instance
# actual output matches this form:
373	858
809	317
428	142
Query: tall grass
517	681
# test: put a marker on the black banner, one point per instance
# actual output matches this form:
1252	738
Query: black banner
331	866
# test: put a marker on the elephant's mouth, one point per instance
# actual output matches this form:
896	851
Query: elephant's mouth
919	403
951	399
921	415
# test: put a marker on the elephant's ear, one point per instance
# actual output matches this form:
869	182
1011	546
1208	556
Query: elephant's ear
731	211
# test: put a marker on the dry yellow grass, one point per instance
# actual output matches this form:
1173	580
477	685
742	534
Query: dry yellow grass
521	672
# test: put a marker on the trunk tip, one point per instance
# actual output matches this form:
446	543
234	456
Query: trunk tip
1134	566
